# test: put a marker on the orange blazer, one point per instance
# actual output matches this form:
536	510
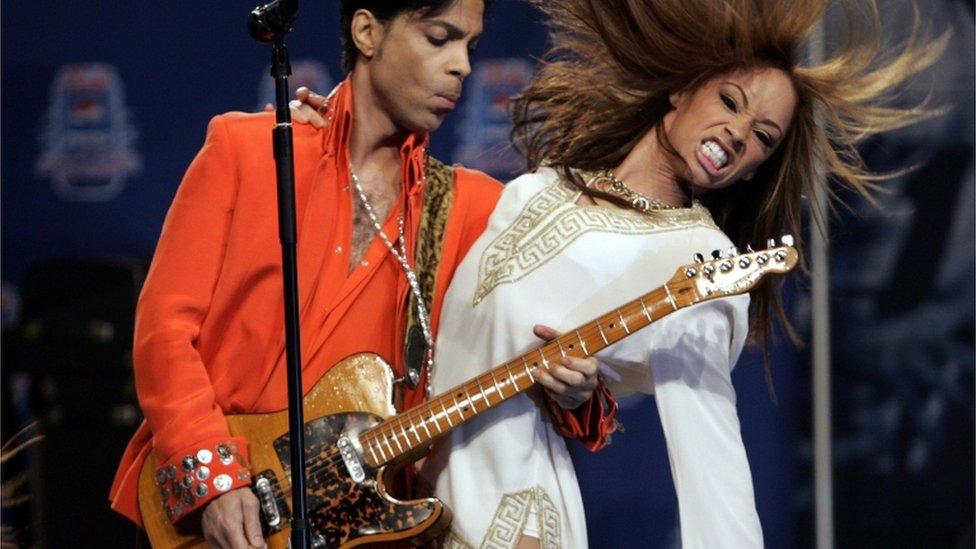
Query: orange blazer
209	324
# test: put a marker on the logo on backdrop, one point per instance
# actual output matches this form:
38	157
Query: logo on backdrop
485	125
311	74
87	139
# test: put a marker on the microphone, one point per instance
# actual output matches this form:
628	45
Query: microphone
272	20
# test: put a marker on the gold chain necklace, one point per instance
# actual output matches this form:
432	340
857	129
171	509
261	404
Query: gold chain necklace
605	181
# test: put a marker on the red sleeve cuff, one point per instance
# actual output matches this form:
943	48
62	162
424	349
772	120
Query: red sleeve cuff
192	478
591	423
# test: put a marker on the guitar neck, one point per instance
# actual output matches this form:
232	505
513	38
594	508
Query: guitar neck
421	425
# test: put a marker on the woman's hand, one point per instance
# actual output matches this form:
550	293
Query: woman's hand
307	107
571	382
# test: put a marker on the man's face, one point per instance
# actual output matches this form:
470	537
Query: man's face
420	64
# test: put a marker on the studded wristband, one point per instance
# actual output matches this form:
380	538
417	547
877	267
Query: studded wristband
188	481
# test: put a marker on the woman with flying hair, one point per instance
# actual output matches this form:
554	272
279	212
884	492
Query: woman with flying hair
654	129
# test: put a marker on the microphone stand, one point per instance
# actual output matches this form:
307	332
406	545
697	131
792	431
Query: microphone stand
269	23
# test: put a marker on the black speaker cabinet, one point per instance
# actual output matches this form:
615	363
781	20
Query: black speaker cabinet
74	345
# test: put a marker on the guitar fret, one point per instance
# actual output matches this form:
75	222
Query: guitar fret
397	440
602	335
387	441
670	297
545	361
582	343
372	452
528	371
510	376
457	407
406	436
423	423
498	390
467	396
377	445
413	429
481	390
447	415
646	312
561	350
623	322
437	422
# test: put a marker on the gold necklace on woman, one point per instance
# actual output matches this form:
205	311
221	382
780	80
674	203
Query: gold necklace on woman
605	181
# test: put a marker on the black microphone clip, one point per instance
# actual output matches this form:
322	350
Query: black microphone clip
273	20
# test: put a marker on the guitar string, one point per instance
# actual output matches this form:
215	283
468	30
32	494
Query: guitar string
318	467
585	333
659	297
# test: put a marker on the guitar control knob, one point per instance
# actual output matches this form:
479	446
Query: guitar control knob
413	377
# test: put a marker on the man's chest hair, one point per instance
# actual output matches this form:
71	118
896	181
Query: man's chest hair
363	231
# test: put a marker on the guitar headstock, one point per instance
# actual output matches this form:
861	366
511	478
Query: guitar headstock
730	272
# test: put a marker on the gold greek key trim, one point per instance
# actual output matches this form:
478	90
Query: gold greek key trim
508	525
551	220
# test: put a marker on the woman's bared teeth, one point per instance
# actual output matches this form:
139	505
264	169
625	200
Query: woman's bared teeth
715	154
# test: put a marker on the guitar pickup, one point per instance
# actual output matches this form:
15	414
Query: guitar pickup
352	457
275	513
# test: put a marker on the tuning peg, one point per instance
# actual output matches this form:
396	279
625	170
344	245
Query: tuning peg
699	258
749	249
716	254
731	251
771	243
787	240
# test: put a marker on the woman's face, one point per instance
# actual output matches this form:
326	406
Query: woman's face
724	129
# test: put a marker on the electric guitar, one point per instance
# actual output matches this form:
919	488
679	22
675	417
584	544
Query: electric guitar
355	442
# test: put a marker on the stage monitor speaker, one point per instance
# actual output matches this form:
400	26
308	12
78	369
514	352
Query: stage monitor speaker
74	343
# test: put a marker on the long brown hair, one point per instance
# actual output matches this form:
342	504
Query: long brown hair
613	63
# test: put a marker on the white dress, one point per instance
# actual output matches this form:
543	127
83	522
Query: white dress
545	260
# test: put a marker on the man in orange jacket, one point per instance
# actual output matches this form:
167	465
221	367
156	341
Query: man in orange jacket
209	325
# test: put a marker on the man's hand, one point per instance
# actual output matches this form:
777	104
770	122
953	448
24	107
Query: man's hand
232	521
306	108
571	382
